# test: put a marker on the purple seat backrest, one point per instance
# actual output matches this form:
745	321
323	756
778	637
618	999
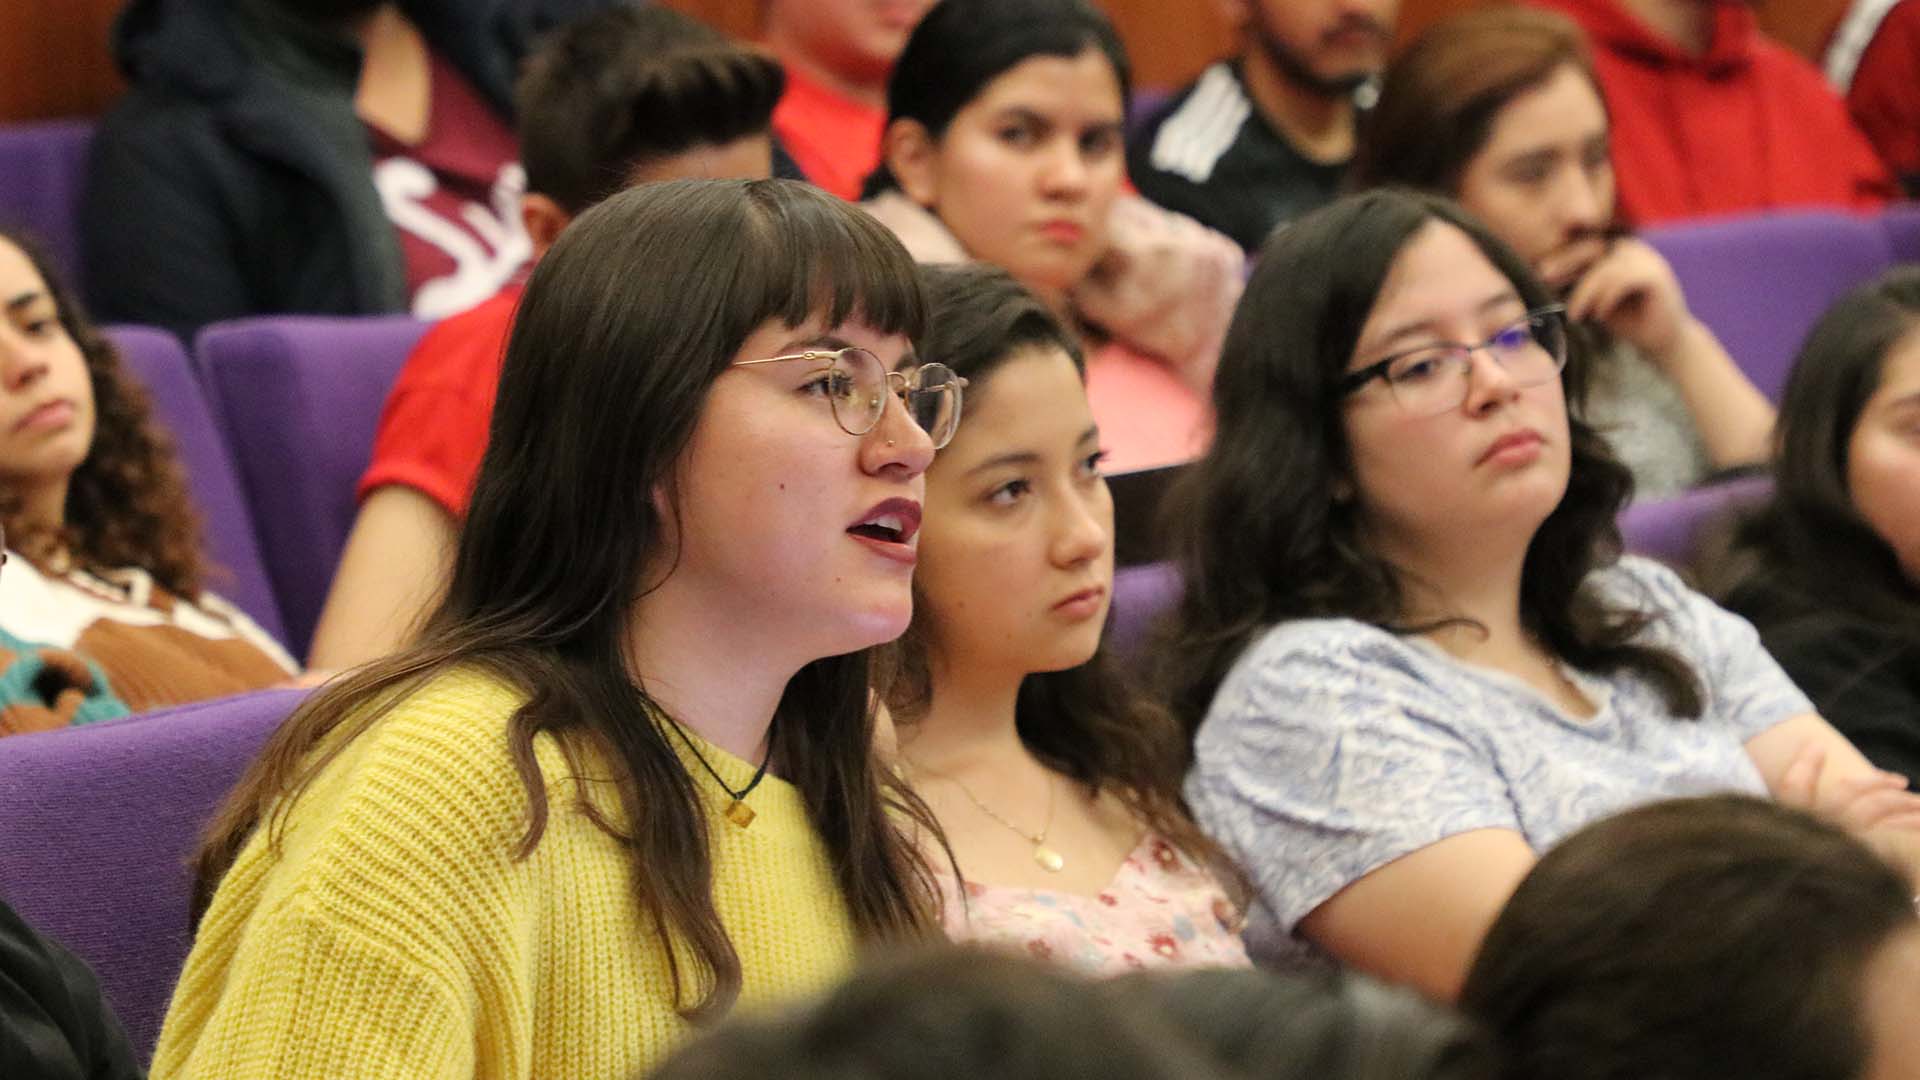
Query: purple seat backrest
100	824
1147	100
1671	530
1902	223
1141	594
42	167
299	398
1761	282
157	359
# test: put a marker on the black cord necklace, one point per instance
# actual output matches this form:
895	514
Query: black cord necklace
737	811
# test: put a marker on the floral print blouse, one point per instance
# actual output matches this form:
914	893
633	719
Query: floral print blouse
1160	910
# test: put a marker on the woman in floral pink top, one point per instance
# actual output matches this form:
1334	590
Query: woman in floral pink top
1057	788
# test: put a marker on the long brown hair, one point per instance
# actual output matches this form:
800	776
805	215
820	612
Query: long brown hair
1439	98
624	326
127	502
1088	723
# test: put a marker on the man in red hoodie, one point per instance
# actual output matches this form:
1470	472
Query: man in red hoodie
1712	117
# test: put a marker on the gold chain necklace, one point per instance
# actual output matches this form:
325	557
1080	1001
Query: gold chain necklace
1049	860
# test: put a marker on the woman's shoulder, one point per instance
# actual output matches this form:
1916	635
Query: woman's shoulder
1330	658
432	760
1327	643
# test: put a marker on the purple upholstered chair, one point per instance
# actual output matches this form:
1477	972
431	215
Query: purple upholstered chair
1902	223
156	358
299	399
1671	530
1760	282
100	823
1141	594
42	167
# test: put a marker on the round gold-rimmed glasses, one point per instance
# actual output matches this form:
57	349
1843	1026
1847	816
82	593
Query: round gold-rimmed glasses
855	384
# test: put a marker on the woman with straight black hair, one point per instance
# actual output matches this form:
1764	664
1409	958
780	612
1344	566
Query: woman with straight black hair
1413	652
623	780
1829	569
1005	144
1696	939
1055	781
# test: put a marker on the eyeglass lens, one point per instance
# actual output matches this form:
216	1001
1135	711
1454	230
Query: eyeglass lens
860	400
1432	381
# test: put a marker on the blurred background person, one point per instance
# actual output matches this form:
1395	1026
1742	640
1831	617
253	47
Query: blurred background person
1696	939
1829	568
1499	109
1264	136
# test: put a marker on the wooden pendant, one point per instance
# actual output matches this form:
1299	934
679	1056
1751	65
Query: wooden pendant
1050	860
740	813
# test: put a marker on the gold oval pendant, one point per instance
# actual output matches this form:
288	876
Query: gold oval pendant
1050	860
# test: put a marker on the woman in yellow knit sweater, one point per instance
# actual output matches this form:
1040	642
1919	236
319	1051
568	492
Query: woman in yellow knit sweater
623	779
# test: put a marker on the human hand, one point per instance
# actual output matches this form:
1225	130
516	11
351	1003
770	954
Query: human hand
1166	285
1633	292
1865	802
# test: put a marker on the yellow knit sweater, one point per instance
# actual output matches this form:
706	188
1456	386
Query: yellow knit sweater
394	935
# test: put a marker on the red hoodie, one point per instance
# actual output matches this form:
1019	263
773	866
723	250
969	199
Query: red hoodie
1747	126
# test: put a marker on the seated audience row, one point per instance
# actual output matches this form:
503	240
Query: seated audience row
381	133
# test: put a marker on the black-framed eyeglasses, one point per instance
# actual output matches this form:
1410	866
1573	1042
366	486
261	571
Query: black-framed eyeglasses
1437	378
855	384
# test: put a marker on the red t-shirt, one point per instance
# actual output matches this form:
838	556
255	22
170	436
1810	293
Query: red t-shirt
834	139
433	429
1885	95
1747	126
454	198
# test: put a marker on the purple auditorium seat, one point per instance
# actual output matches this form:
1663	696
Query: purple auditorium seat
1671	530
42	167
100	823
1902	223
298	399
1761	282
156	358
1141	594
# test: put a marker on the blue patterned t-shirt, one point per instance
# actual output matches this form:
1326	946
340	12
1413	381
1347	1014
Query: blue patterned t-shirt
1334	747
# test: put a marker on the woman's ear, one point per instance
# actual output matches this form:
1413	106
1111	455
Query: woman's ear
910	154
543	218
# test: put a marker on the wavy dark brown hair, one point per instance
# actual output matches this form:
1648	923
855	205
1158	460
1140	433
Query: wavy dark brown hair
624	327
127	502
1089	723
1259	532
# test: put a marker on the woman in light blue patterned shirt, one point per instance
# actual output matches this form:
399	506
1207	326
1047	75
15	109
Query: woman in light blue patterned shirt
1413	653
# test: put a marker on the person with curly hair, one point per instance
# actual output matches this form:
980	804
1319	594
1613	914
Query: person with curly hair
97	508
